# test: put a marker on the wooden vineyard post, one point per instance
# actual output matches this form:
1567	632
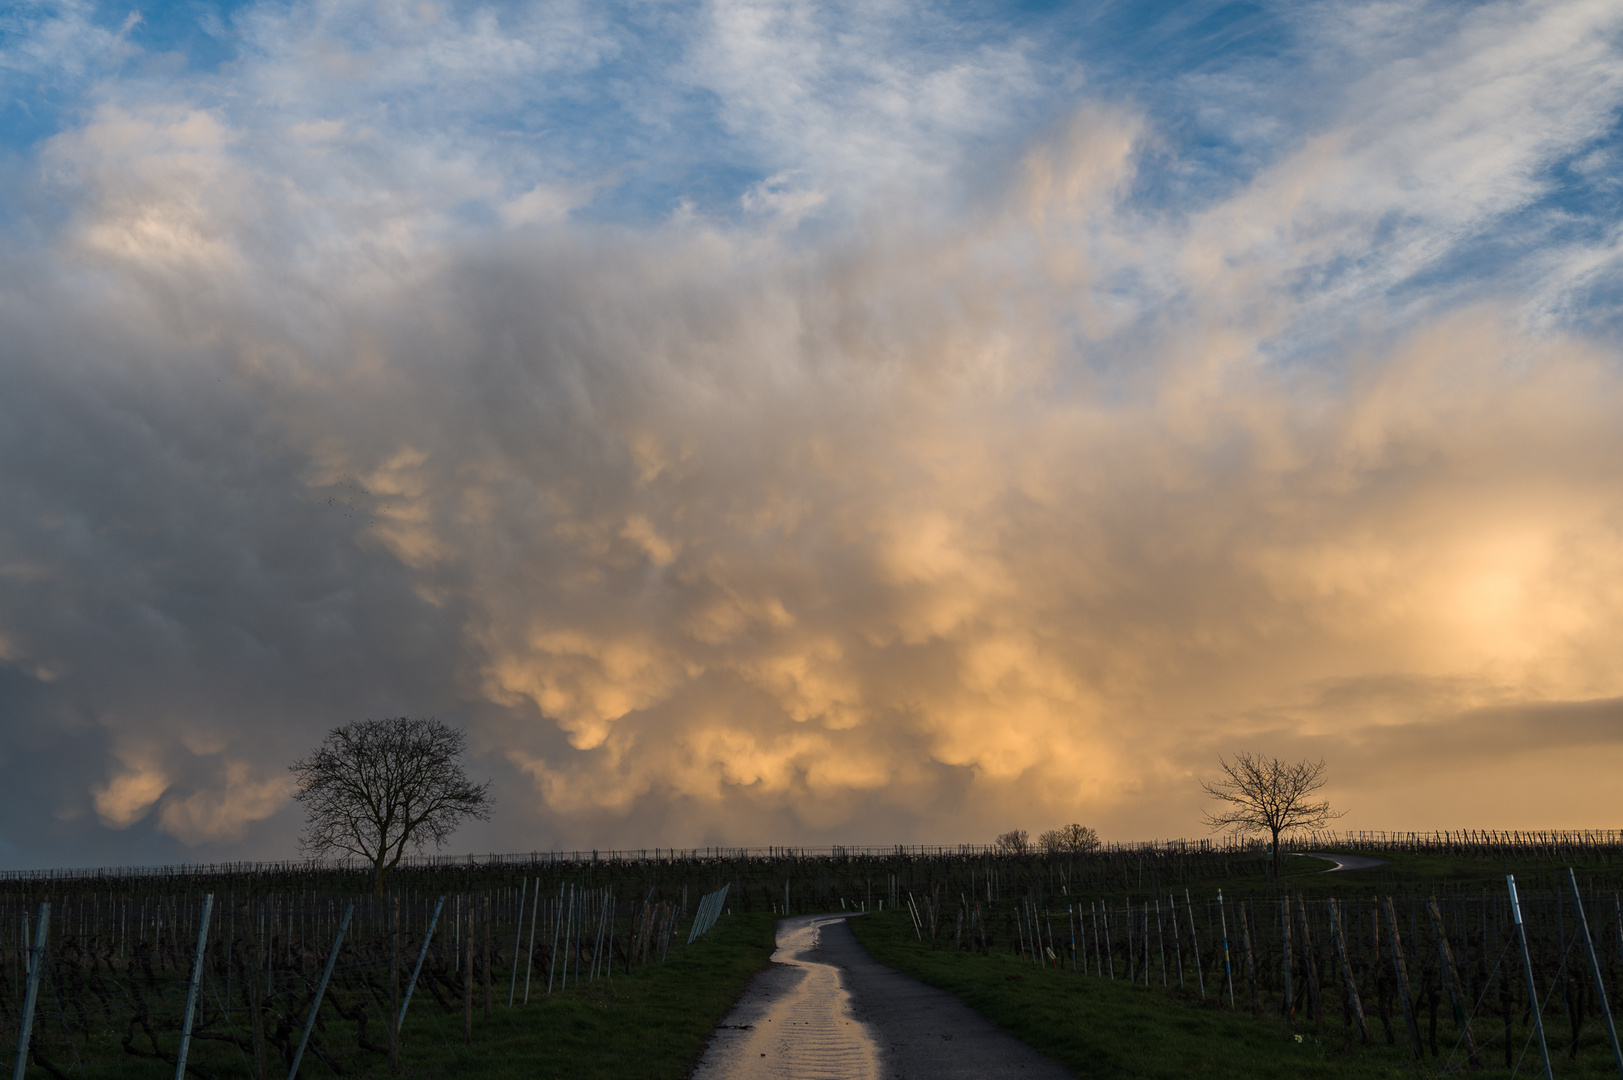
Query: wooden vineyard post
1139	947
582	914
1228	966
191	990
1194	944
1160	940
1594	969
1533	1004
1451	979
1617	907
394	981
561	951
321	992
1250	959
467	976
1110	945
487	928
600	951
1401	971
1177	938
1098	956
1070	919
1506	1009
1289	1006
518	939
36	960
428	936
230	940
552	954
1132	954
256	1018
1146	943
1309	964
569	926
1339	938
529	954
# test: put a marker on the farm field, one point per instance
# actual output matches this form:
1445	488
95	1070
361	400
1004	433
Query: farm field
1111	960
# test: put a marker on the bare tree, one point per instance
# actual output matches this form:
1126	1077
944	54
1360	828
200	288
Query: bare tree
373	788
1013	842
1068	840
1269	795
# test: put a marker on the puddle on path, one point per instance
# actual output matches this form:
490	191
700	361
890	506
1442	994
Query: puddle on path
794	1020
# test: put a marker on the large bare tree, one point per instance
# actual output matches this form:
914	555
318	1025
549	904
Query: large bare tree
374	788
1266	794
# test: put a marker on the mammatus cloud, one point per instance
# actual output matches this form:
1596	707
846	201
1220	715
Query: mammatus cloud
852	517
224	811
126	798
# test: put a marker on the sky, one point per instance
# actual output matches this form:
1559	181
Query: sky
771	422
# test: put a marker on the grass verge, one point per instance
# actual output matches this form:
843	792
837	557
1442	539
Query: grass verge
1104	1028
650	1025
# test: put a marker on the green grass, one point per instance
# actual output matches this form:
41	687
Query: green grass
1108	1028
649	1025
652	1024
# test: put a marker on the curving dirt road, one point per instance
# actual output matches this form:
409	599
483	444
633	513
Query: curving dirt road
827	1010
1345	862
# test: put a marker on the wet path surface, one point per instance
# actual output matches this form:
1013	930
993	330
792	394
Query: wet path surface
827	1010
795	1018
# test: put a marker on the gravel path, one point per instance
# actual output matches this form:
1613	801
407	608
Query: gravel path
826	1010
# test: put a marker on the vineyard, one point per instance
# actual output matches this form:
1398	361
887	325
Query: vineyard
298	969
1467	977
1469	951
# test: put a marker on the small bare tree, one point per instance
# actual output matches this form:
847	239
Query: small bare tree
1068	840
1269	795
1013	842
373	788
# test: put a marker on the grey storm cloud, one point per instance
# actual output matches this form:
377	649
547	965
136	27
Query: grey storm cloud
904	525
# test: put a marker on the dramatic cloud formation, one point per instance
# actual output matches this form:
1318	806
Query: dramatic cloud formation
771	423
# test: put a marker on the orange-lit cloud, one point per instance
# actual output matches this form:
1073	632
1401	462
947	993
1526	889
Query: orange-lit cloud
888	547
224	812
911	524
